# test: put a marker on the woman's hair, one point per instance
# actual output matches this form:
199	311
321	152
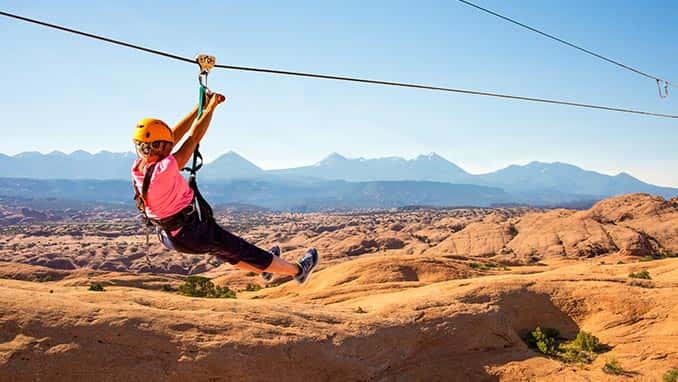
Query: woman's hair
159	148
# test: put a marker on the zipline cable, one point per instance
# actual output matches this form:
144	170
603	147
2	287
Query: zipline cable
560	40
340	78
97	37
428	87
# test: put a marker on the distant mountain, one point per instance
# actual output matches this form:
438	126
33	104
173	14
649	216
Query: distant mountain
231	166
536	183
539	177
285	196
431	167
77	165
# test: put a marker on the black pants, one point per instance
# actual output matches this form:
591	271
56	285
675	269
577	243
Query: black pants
209	237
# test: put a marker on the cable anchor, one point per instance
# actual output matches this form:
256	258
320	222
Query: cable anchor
665	93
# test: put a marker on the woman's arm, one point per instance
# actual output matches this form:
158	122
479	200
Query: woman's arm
183	155
181	128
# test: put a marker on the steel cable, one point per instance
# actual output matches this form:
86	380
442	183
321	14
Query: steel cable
339	78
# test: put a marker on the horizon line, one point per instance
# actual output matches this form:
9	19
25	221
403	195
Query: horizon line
432	153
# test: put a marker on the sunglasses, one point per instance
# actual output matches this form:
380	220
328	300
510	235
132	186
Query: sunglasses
148	148
154	145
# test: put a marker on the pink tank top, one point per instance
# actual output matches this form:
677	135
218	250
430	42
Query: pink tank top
168	193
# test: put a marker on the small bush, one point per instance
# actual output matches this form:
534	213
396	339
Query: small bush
671	375
224	292
252	287
250	274
586	341
544	340
167	288
360	310
547	341
582	350
97	287
647	258
483	266
620	262
478	266
198	286
644	274
612	366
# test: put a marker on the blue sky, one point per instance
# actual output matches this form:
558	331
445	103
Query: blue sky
64	92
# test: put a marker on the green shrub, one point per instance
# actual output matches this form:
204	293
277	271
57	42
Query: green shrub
647	258
250	274
483	266
198	286
252	287
671	375
572	355
360	310
223	292
544	340
97	287
167	288
586	341
644	274
582	350
612	366
547	341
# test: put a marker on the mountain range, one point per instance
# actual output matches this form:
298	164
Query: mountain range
344	182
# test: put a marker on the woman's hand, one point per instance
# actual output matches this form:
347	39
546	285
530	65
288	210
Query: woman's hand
214	100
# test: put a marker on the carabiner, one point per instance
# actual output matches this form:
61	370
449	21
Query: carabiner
665	93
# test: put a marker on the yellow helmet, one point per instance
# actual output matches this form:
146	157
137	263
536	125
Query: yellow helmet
152	130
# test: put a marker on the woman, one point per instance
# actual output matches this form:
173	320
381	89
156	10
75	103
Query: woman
184	219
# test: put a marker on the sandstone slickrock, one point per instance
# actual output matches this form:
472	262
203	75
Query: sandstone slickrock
432	299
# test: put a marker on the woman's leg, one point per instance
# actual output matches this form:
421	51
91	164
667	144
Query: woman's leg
278	266
248	256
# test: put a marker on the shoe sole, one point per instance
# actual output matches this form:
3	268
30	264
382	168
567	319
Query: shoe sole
310	271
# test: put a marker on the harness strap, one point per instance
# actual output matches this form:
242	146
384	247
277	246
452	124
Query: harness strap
196	153
140	197
140	200
147	181
204	209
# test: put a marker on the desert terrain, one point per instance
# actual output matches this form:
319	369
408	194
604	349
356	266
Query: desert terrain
412	294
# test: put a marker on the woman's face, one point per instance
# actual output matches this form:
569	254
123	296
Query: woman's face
153	151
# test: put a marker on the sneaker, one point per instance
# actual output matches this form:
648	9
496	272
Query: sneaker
275	251
306	265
